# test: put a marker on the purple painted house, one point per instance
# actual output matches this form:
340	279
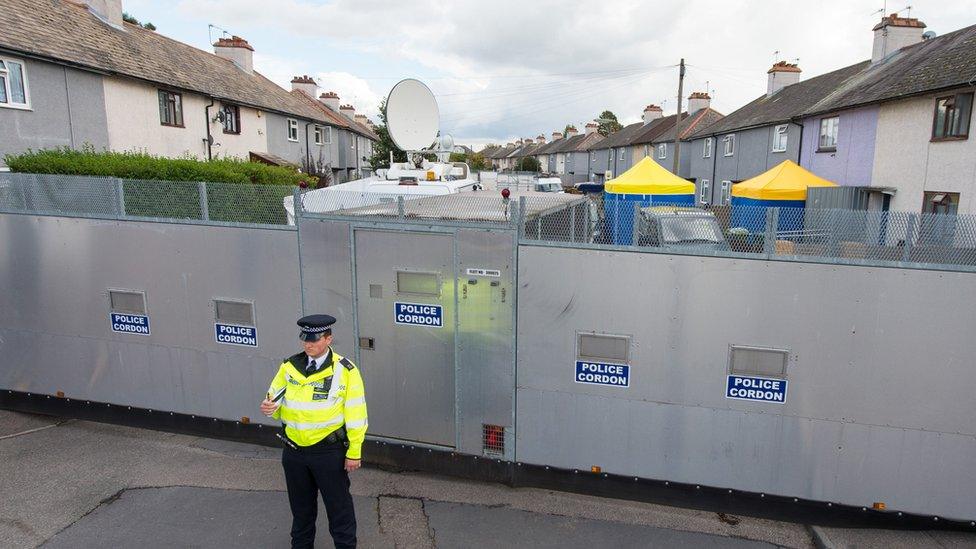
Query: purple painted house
839	146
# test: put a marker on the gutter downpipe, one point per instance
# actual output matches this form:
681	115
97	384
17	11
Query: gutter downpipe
209	140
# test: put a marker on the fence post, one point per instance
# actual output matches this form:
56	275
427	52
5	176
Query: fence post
521	219
572	224
204	202
769	239
120	195
401	213
910	237
635	229
296	202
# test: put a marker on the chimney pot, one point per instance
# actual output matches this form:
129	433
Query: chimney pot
894	33
698	101
591	127
331	100
780	75
306	84
651	113
556	136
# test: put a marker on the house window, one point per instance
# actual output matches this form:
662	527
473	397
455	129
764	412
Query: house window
621	154
170	109
940	203
828	134
662	151
707	148
232	119
779	138
703	194
952	116
327	135
729	141
292	129
13	84
317	134
726	192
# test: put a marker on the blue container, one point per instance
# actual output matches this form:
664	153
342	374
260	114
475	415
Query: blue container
750	213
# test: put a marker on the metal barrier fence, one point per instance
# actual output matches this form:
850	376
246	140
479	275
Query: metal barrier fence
132	198
903	239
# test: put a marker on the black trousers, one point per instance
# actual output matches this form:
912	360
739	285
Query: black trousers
314	470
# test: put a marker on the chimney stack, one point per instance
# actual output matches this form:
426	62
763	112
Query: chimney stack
894	33
349	111
331	100
237	50
652	113
556	136
306	84
109	11
591	127
540	139
361	118
698	101
571	132
781	74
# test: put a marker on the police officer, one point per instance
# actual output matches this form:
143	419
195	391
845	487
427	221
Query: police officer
319	398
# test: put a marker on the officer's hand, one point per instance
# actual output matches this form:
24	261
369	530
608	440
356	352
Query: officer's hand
352	464
268	407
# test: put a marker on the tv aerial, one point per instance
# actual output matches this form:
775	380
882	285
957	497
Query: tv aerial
412	117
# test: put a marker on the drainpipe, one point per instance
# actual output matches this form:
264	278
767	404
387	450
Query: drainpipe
209	139
711	188
799	151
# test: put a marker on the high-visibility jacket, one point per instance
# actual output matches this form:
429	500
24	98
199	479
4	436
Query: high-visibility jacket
313	407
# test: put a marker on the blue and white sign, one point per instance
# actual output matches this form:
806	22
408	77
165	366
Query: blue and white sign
129	324
232	334
759	389
418	314
600	373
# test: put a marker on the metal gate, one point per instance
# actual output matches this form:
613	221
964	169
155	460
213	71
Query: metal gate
405	290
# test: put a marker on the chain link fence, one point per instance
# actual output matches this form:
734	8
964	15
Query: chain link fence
904	239
132	198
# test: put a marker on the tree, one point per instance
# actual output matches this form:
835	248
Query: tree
527	164
382	148
130	19
566	129
608	123
475	161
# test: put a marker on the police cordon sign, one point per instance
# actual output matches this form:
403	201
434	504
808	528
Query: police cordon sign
129	324
599	373
232	334
760	389
418	314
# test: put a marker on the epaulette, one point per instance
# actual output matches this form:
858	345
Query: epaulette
347	363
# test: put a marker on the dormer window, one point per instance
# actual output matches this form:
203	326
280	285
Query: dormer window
13	84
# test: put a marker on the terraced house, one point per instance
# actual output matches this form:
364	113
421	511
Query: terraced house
74	74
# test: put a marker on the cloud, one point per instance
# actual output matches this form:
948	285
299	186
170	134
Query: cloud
352	90
515	68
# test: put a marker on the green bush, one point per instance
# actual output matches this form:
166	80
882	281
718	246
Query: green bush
238	191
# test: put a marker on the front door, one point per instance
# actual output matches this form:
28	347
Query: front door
405	288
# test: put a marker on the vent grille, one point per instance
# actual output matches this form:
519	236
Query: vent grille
493	439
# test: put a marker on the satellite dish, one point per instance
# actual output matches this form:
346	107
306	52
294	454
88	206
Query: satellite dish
446	143
412	117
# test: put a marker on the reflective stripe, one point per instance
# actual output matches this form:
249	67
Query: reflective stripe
314	405
355	401
305	426
356	423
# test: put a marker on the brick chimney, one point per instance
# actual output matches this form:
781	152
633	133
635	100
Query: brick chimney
571	132
556	136
781	74
331	100
540	139
894	33
236	49
361	118
528	141
652	113
591	127
109	11
349	111
306	84
698	101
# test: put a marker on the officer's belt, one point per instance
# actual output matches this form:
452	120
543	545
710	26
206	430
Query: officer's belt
335	437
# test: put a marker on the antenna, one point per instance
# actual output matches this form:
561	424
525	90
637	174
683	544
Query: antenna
210	28
412	116
776	57
908	7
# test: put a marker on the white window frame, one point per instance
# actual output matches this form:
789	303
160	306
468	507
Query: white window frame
662	151
702	187
317	134
328	135
829	131
729	142
292	128
9	104
780	138
621	155
726	192
707	147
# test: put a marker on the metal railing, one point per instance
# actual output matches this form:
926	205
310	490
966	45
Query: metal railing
115	198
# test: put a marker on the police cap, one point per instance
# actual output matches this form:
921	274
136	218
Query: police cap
314	327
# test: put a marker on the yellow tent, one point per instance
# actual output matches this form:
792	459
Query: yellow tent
649	177
787	181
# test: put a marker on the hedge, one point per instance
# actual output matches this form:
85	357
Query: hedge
239	191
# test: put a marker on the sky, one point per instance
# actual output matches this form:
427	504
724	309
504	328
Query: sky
511	69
